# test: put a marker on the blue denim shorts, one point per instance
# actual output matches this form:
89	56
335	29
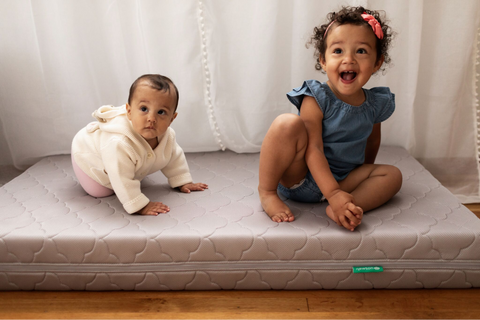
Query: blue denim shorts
306	191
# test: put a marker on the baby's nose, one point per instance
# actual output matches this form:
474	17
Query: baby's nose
349	58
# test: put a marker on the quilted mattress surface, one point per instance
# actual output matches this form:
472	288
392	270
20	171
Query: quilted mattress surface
55	237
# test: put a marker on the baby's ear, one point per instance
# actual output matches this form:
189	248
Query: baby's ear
174	116
129	109
323	63
379	63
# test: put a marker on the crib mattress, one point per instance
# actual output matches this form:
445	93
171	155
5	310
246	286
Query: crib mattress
55	237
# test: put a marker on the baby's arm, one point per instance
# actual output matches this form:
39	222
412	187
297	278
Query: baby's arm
373	144
342	204
117	158
177	170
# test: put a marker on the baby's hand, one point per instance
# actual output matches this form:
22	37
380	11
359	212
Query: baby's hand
154	208
193	187
343	211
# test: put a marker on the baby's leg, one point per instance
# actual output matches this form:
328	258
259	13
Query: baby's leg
282	159
372	185
90	186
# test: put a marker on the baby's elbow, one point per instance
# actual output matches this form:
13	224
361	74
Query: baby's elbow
313	151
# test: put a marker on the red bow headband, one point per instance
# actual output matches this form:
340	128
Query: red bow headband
376	26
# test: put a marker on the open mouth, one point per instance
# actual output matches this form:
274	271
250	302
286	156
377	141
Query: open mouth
348	75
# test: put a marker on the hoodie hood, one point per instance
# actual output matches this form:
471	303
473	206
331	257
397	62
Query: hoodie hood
105	113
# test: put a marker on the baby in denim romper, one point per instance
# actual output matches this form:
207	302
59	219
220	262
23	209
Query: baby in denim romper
327	151
344	149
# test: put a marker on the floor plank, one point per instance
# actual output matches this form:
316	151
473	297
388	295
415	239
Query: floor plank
403	303
475	208
261	315
333	304
155	303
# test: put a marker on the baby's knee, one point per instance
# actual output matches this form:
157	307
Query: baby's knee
288	122
395	177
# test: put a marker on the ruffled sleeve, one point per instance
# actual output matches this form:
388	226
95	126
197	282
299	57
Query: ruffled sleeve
311	88
383	103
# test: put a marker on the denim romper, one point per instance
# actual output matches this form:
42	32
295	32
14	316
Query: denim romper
346	129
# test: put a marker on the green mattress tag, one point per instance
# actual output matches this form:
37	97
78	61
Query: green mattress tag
367	269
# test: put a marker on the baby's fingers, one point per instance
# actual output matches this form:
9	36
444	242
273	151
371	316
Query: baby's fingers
154	208
356	211
160	207
353	220
150	213
345	222
193	187
198	187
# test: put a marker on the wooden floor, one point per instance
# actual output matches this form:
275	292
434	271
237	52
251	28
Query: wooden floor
475	208
332	304
352	304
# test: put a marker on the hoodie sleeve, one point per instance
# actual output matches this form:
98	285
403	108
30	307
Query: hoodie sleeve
119	159
176	171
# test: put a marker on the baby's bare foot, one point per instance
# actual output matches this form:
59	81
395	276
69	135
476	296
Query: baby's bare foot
275	208
330	214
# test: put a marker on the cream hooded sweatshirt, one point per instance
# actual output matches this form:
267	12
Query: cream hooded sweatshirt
114	155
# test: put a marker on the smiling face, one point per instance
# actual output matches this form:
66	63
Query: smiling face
151	112
350	60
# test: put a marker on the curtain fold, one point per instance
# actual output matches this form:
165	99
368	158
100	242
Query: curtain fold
233	62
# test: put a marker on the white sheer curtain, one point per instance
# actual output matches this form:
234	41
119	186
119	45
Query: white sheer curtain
233	62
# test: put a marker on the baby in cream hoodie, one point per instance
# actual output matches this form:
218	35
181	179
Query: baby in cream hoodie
127	143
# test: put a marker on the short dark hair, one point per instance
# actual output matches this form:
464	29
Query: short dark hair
155	81
351	15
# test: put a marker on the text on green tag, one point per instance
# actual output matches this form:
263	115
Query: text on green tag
367	269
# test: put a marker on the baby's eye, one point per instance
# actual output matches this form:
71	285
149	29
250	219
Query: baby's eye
362	51
143	109
337	51
161	112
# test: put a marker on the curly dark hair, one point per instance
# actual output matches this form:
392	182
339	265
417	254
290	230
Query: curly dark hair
351	15
157	82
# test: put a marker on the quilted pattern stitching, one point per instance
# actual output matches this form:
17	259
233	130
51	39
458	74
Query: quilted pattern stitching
46	220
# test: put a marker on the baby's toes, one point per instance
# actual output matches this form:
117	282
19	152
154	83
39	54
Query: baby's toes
276	218
283	217
289	217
